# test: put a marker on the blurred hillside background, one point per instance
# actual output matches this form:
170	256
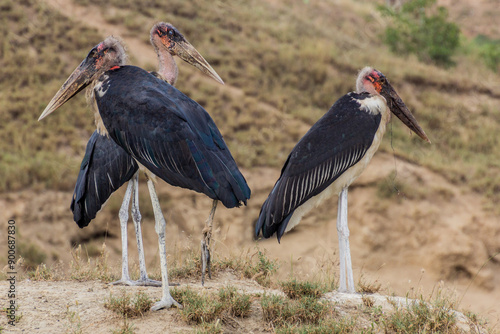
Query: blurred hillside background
420	214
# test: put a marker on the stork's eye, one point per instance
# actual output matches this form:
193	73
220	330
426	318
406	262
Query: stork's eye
383	81
171	32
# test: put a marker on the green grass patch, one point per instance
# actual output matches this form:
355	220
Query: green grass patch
295	289
237	304
204	308
329	326
198	308
281	311
129	306
210	328
261	269
420	317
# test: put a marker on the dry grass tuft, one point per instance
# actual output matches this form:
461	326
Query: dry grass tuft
295	289
280	311
91	269
128	306
368	287
210	309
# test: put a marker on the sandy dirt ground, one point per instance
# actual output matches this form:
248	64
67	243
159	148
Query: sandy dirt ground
79	307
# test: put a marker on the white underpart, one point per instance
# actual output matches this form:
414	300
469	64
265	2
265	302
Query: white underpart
375	104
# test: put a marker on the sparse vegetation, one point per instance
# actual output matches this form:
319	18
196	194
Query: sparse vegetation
421	28
261	269
73	316
238	304
420	317
489	51
126	328
32	255
91	269
365	286
128	306
329	326
210	328
41	273
295	289
276	90
208	309
198	308
281	311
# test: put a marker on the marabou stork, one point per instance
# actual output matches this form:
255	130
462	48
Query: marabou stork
106	166
169	135
330	156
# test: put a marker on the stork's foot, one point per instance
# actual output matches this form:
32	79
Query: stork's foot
205	261
146	281
141	282
165	303
124	281
350	291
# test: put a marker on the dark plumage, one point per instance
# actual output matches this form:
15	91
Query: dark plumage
333	144
169	134
332	154
105	168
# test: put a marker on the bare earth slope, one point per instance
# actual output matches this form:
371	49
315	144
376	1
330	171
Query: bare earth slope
433	231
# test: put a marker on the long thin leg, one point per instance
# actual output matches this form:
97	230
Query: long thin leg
136	217
344	249
205	243
123	215
160	224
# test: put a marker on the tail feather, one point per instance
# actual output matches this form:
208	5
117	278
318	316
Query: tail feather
266	223
221	175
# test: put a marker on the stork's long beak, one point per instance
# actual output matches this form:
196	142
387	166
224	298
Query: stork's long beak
189	54
77	81
399	108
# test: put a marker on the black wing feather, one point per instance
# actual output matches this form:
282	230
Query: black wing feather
333	144
104	169
170	134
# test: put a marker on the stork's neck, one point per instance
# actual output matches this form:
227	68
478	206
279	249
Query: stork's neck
167	67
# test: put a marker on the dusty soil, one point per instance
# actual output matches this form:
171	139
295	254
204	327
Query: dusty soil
69	306
78	307
435	232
